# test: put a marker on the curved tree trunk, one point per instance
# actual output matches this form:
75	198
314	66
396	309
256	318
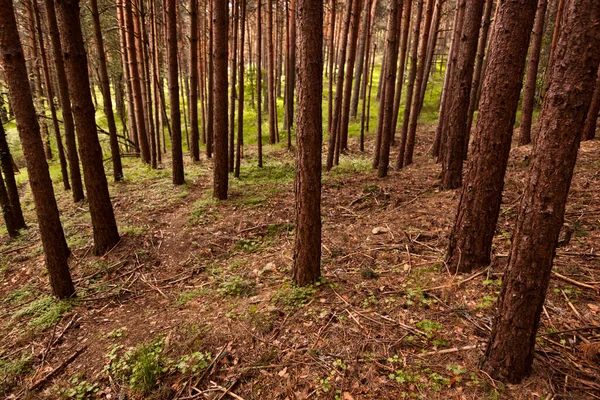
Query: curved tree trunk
511	347
481	195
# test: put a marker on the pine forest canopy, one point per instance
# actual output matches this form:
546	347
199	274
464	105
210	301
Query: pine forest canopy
299	198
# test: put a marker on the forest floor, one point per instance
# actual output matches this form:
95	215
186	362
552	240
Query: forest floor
196	300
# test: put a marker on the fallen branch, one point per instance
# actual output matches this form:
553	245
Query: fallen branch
574	282
448	351
56	370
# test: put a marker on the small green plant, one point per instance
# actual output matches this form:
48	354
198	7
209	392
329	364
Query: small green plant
292	296
12	370
194	363
20	295
486	301
117	333
45	312
184	297
236	286
429	327
79	389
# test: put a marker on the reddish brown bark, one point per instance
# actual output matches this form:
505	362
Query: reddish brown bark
104	225
51	232
307	244
532	72
194	125
6	162
240	125
219	55
273	134
481	195
589	128
259	75
510	350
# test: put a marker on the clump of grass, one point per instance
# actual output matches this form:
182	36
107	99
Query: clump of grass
236	286
45	312
12	370
291	296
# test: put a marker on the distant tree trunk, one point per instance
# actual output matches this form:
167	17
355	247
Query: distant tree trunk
7	213
337	108
589	128
259	74
194	125
460	87
442	115
6	162
290	78
105	85
177	153
240	127
510	350
481	195
331	66
420	81
410	87
51	232
220	48
362	48
156	77
479	63
50	95
65	101
532	72
136	84
126	74
368	76
307	244
211	86
387	102
233	80
142	34
347	94
273	134
402	67
555	34
431	46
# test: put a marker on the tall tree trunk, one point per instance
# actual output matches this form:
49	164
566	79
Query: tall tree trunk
347	95
51	232
234	73
481	195
403	152
589	128
555	34
50	95
442	115
211	85
362	48
510	350
402	67
240	127
368	75
7	213
105	85
532	72
290	78
194	125
104	225
65	102
273	134
219	55
460	87
337	108
431	46
177	153
479	64
307	243
390	76
420	80
136	84
259	74
126	74
331	66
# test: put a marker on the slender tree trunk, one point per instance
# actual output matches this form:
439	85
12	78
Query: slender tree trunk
419	82
50	95
177	153
273	134
510	351
481	195
307	244
460	86
479	64
589	128
337	109
194	125
555	34
7	213
126	73
104	225
220	48
390	76
362	49
259	75
431	46
368	75
211	85
234	73
347	95
402	67
51	232
105	85
331	66
65	101
290	78
403	153
136	84
240	127
532	72
6	162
